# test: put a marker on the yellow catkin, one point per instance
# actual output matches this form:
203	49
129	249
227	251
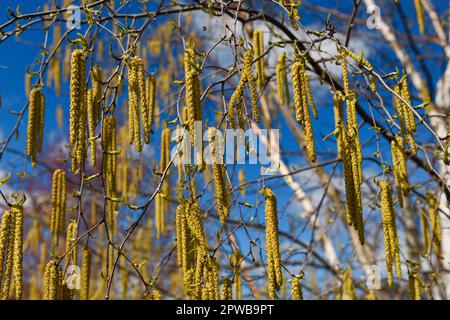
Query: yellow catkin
338	100
414	285
405	114
77	94
258	45
219	176
227	293
272	243
5	232
249	78
420	15
435	221
389	229
193	94
292	8
97	87
300	87
91	124
352	158
426	233
71	246
85	274
8	258
110	168
150	113
35	124
59	194
348	291
194	222
296	289
136	101
400	171
53	282
282	82
17	211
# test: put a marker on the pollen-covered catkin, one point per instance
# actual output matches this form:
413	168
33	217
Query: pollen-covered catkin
258	45
301	98
405	114
35	124
193	94
97	87
227	293
5	234
92	122
136	101
71	246
194	222
52	284
58	213
389	229
249	78
400	171
151	100
296	289
338	100
85	274
348	291
282	82
272	242
77	93
17	211
219	175
414	285
435	221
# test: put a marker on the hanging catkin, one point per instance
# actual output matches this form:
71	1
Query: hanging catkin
97	87
52	284
296	289
414	285
338	100
57	218
303	97
219	175
282	82
85	274
92	121
400	171
110	168
8	258
17	211
352	156
272	243
150	111
77	93
162	203
405	114
6	232
137	102
248	78
348	291
258	45
390	230
435	221
193	94
227	293
71	246
35	130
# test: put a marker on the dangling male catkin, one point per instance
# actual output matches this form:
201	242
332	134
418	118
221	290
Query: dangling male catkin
272	242
258	45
